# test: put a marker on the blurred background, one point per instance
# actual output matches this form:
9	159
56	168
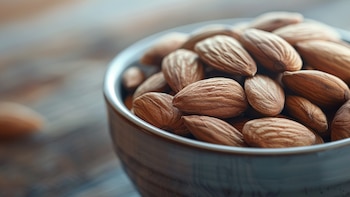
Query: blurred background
53	55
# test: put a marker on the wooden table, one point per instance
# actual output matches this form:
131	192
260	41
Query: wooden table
53	58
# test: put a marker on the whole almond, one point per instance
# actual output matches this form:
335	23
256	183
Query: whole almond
306	31
264	94
340	128
162	47
154	83
213	130
182	67
226	53
206	32
157	109
327	56
320	88
271	51
218	97
274	132
272	20
132	78
17	120
307	113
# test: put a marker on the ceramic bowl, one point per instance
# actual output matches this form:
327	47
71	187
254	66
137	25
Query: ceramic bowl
163	164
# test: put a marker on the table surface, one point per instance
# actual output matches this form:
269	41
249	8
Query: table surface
53	57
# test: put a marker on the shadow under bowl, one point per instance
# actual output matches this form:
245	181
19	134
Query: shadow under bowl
163	164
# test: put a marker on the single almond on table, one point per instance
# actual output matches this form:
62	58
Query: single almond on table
327	56
162	47
264	94
226	54
271	51
306	31
17	121
323	89
157	109
273	20
340	128
154	83
218	97
274	132
213	130
307	113
182	67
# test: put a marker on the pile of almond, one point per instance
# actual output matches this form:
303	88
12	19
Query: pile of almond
275	81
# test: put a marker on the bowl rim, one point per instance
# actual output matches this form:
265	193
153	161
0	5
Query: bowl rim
112	95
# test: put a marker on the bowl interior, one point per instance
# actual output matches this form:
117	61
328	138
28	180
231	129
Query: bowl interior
114	94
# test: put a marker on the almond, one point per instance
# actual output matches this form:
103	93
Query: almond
154	83
274	132
306	31
17	120
307	113
218	97
340	128
182	67
206	32
272	20
320	88
327	56
162	47
271	51
132	78
157	109
213	130
226	53
264	94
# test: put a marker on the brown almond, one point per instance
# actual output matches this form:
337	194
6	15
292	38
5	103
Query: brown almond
218	97
132	78
274	132
264	94
157	109
340	128
154	83
226	54
327	56
162	47
320	88
182	67
273	20
307	113
18	121
306	31
213	130
206	32
271	51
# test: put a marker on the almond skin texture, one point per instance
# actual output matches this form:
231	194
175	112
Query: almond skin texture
272	20
308	114
154	83
218	97
327	56
277	133
323	89
213	130
162	47
340	128
226	54
157	109
17	121
306	31
265	95
182	67
271	51
132	78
